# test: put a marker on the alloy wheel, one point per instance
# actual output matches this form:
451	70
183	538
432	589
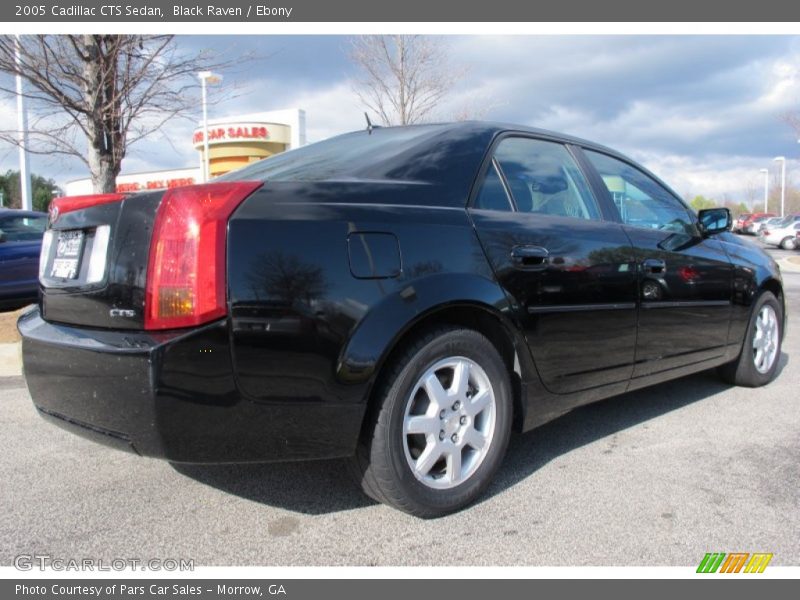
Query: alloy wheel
765	339
449	422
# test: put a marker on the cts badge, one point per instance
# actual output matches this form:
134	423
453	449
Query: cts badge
122	312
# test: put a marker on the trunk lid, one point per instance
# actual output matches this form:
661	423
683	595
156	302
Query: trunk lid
94	262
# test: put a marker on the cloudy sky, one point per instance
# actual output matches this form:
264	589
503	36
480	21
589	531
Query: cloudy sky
704	112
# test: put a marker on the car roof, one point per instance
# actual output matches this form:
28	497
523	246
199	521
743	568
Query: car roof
369	155
497	127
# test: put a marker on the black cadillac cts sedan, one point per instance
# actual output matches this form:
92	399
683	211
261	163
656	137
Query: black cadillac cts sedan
404	297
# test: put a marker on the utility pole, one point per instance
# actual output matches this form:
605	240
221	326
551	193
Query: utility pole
782	160
22	127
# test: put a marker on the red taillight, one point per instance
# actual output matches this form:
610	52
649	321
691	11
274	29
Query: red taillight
766	232
186	268
65	204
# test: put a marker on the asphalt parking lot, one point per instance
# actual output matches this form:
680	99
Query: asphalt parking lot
655	477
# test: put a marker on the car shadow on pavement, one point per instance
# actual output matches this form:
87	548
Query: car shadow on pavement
528	452
321	487
312	487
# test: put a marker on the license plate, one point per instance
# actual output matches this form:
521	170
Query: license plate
68	255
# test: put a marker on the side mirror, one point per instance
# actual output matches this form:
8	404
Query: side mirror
714	220
2	237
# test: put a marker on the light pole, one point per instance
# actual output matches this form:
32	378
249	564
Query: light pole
766	188
22	140
206	77
782	160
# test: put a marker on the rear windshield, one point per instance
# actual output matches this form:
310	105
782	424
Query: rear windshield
352	155
22	228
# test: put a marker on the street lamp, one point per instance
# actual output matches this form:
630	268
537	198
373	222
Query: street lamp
206	77
766	189
22	133
782	160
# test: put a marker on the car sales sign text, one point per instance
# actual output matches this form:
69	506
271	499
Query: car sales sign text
233	133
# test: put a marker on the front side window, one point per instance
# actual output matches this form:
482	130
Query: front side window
640	200
543	178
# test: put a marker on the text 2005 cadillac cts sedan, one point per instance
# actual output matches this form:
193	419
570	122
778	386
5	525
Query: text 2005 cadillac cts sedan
403	296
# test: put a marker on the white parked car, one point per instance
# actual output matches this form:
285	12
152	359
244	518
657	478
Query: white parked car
765	225
785	237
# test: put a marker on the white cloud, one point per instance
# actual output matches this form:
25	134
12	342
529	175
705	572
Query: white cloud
701	111
329	111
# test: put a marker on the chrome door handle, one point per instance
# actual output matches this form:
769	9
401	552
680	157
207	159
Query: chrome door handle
656	266
532	258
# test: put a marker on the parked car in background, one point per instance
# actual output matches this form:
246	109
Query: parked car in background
784	236
402	296
738	224
20	243
776	223
754	221
771	222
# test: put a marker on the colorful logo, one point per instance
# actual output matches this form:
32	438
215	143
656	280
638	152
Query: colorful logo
735	562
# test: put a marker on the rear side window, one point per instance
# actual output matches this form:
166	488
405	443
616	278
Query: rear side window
492	195
544	179
641	200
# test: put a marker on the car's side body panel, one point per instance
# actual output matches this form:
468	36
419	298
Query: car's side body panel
753	271
302	325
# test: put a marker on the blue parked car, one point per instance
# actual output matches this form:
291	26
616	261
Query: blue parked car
21	234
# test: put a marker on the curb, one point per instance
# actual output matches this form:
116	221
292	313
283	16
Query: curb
11	359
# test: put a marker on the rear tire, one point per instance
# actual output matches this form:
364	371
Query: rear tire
441	427
758	360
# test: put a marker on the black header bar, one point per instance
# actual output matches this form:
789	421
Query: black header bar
332	11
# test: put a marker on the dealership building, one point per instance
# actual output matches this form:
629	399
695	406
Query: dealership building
233	142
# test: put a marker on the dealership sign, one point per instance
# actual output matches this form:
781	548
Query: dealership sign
153	184
233	132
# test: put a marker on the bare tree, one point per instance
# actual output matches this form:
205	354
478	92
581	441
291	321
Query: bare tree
751	191
403	78
793	120
94	96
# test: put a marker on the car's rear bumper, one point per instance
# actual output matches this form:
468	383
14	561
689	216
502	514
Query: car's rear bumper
171	395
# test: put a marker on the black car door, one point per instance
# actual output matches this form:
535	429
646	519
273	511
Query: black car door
685	279
568	271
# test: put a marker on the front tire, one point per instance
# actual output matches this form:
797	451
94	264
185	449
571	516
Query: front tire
788	243
442	426
757	363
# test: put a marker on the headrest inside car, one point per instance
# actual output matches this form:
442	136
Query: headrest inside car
544	184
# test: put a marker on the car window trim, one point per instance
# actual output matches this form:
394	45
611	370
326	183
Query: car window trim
595	181
483	171
503	181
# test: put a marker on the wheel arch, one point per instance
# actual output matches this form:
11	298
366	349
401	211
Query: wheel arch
772	284
370	348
